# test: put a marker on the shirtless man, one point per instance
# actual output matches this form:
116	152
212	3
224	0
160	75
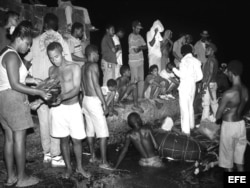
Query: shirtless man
94	106
66	115
233	131
125	87
144	142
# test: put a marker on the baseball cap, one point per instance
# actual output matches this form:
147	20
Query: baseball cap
137	23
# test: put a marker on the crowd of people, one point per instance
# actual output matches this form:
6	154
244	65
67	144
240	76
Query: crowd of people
75	65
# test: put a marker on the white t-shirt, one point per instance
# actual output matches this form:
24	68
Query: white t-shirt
167	75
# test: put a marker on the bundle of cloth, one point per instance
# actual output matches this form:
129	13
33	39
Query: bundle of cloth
51	86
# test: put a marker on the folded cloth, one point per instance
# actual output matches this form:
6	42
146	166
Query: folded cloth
151	162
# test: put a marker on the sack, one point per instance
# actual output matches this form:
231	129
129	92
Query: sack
177	147
209	129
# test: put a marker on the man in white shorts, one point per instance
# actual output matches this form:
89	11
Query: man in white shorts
66	115
94	106
233	139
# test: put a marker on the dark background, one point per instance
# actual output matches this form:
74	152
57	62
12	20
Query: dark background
227	22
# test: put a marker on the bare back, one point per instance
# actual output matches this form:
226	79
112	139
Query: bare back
144	142
89	71
235	100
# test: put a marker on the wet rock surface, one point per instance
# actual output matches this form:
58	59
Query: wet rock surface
130	175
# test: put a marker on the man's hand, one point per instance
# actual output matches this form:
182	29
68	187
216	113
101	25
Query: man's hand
58	101
37	81
105	110
156	30
171	66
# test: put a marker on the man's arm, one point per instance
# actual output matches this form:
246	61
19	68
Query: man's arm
95	80
124	151
152	42
153	140
223	104
76	83
76	58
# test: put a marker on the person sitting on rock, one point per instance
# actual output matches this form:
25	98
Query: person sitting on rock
154	84
173	81
125	87
143	140
110	95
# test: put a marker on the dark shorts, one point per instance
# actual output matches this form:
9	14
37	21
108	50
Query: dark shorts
15	110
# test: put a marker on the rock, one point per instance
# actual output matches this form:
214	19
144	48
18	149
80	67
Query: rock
118	124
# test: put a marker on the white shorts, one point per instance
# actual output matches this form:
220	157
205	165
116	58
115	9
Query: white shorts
95	119
233	142
67	120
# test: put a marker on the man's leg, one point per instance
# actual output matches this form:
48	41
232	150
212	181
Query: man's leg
214	102
140	77
133	88
91	141
103	148
184	112
66	156
43	116
191	107
50	145
205	105
77	145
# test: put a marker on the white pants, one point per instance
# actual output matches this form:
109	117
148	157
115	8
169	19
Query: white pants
207	101
186	100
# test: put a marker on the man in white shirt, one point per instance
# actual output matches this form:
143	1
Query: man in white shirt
189	73
116	38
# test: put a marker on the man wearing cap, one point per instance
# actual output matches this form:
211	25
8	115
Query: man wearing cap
200	47
136	60
209	83
189	72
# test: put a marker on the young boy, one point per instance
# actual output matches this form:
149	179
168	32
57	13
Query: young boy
66	115
173	81
125	87
154	85
143	140
110	95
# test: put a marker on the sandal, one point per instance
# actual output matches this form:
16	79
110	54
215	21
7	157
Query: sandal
12	183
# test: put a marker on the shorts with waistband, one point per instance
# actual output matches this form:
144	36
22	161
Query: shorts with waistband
67	120
95	118
233	143
15	110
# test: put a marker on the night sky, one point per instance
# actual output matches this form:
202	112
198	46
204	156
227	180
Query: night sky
226	22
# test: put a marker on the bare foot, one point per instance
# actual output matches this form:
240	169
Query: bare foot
27	181
67	174
83	173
